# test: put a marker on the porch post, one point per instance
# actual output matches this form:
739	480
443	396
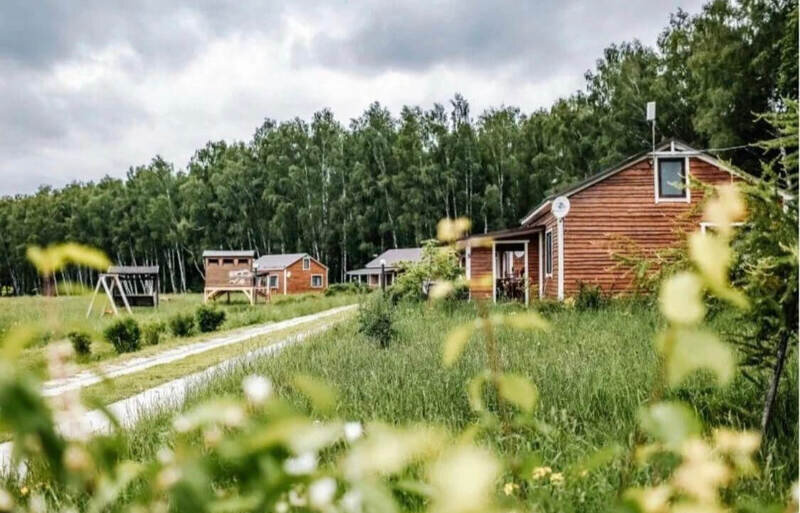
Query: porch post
494	274
561	259
541	267
527	283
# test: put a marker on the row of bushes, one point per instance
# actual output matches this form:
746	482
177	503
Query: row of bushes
126	335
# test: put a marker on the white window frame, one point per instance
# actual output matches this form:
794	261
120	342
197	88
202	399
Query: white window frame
706	224
321	281
548	274
306	263
269	281
687	198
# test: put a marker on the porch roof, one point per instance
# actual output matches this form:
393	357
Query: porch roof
479	239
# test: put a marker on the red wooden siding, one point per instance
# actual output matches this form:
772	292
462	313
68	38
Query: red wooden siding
298	280
622	206
481	270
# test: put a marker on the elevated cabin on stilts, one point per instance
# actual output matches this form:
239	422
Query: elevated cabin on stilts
229	271
128	285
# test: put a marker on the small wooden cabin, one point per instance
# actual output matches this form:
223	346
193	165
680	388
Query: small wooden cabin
292	273
391	259
229	271
646	201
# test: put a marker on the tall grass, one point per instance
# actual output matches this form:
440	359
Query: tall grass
593	370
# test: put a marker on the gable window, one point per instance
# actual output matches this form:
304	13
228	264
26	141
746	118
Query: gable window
306	263
673	183
548	253
273	281
316	281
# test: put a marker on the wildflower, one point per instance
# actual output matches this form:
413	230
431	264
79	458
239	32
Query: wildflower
700	474
510	488
321	492
256	388
168	477
540	472
353	431
6	501
76	458
351	501
23	491
181	424
233	416
556	479
295	498
303	464
281	507
165	455
212	436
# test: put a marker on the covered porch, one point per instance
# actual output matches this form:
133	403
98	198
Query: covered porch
505	265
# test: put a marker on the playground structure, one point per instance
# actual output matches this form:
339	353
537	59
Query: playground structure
128	286
232	271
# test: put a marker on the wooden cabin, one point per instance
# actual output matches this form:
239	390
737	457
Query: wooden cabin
391	259
292	273
646	201
229	271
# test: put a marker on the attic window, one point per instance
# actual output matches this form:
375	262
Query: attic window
306	263
673	181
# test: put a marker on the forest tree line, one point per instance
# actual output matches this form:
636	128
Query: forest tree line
346	192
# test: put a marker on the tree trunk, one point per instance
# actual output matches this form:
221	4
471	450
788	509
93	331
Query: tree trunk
772	391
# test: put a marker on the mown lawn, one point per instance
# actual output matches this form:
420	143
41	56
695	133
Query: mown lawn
55	316
593	370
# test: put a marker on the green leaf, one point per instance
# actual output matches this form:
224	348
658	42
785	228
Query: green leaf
455	342
670	422
681	299
689	350
323	397
517	390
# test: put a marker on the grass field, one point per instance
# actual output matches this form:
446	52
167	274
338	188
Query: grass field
593	371
56	316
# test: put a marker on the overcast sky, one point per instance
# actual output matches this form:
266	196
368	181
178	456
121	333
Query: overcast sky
90	88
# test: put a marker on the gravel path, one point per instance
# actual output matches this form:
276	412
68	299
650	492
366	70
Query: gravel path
173	393
89	377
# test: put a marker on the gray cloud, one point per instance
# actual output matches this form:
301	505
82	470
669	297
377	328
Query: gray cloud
92	87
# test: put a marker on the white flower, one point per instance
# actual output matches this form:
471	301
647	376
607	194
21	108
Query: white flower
351	501
257	388
321	492
353	431
295	499
281	507
303	464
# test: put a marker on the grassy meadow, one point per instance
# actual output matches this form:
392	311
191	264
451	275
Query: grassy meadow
56	316
593	370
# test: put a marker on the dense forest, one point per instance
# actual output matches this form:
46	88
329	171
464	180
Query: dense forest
344	192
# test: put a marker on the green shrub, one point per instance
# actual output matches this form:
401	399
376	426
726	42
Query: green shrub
438	263
590	297
351	287
81	342
152	333
124	335
181	325
376	319
209	318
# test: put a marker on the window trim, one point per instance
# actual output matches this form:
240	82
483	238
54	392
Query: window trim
321	281
306	263
269	281
659	198
704	225
548	253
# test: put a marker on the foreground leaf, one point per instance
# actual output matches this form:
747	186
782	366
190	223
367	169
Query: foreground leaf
517	390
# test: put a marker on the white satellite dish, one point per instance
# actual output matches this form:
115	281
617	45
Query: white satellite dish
560	207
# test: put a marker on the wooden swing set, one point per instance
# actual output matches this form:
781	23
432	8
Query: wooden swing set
128	286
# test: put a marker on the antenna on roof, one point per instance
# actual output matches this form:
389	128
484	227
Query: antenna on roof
651	117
